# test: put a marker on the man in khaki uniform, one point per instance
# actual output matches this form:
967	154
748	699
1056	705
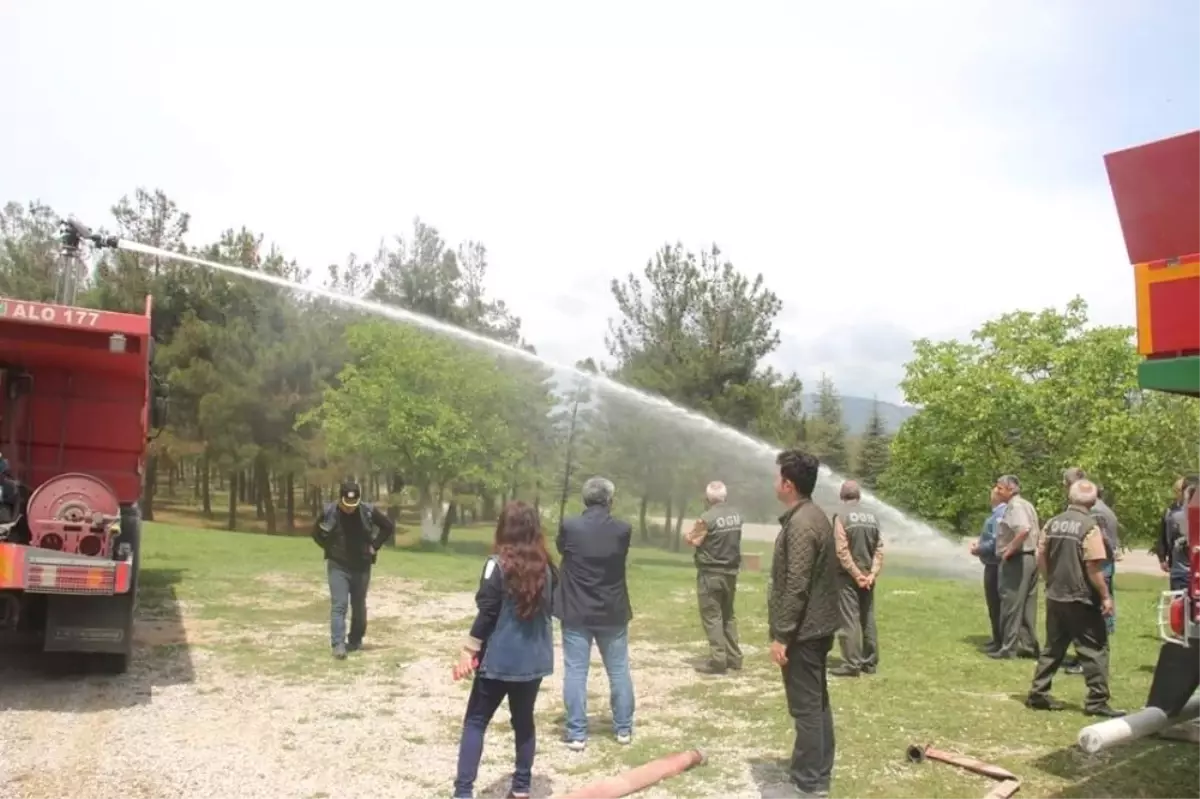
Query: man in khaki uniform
1071	557
1016	541
717	537
859	548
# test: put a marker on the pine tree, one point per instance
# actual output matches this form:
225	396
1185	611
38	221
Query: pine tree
875	451
826	431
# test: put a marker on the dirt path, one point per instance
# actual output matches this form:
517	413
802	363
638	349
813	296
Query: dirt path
391	729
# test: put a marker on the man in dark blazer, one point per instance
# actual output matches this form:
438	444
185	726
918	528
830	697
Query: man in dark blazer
593	605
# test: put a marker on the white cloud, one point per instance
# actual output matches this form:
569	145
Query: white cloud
841	152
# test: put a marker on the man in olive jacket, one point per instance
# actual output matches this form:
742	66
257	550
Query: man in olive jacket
803	615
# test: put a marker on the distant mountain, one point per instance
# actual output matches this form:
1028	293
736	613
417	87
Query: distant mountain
856	412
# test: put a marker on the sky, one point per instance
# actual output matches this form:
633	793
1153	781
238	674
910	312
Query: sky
895	170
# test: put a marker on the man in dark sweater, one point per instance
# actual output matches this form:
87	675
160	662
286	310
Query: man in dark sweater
1171	547
803	615
351	533
594	607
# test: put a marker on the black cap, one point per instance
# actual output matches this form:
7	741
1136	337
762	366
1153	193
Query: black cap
351	494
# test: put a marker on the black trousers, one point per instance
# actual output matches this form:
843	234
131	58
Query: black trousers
1083	625
991	594
807	693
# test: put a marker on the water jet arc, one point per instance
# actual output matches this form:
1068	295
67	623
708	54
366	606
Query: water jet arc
937	552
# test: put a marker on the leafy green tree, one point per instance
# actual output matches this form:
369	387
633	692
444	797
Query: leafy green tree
1031	394
424	406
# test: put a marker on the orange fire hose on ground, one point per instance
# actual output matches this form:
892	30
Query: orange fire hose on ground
638	778
1009	783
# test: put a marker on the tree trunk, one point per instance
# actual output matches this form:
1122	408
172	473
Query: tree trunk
667	525
429	519
196	465
171	479
447	520
642	529
205	487
677	539
266	499
489	507
239	479
289	498
235	484
537	487
260	488
149	487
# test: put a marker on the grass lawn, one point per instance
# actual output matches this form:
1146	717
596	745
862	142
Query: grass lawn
257	604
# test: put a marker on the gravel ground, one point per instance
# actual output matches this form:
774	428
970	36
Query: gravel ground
185	722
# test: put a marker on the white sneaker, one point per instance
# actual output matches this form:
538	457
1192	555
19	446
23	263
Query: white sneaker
577	746
625	738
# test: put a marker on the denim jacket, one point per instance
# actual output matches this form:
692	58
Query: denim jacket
511	649
987	539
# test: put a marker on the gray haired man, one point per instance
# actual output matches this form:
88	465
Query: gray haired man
1110	533
1016	541
594	607
717	537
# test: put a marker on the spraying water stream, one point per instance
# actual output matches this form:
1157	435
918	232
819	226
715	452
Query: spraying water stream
930	550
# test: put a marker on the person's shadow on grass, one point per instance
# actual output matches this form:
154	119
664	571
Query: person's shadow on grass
540	787
771	777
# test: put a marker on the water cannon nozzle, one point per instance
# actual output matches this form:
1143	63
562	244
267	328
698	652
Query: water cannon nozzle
72	233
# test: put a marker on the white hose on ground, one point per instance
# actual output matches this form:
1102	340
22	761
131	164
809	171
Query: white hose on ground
1147	721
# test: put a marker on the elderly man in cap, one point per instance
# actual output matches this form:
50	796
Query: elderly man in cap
351	533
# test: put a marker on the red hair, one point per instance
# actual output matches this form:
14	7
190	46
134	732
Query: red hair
521	548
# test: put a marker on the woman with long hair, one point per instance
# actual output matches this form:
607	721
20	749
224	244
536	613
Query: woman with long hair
510	647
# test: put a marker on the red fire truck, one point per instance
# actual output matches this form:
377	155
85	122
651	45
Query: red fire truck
1156	187
78	400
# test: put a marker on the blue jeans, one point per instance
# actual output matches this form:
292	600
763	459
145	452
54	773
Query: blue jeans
347	589
613	643
486	696
1178	578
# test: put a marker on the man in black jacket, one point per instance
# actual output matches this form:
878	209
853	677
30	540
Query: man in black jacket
1171	547
593	605
350	532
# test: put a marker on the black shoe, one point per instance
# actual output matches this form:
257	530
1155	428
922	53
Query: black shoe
1001	654
1043	703
354	646
1073	668
1104	711
843	671
735	666
339	651
868	669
